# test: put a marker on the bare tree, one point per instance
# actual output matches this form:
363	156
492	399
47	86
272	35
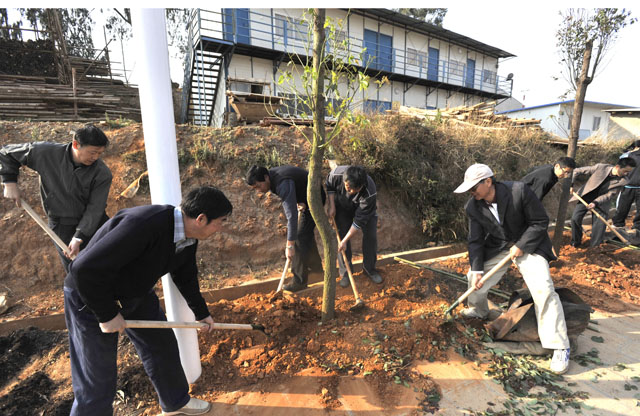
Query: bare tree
584	38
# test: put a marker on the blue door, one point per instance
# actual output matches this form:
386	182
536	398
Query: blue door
379	53
471	70
236	25
432	65
385	52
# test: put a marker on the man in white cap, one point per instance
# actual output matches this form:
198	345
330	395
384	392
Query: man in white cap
507	219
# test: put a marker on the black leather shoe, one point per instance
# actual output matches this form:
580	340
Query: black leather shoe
374	276
294	286
344	282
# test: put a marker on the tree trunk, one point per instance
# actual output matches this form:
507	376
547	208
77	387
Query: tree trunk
329	242
583	83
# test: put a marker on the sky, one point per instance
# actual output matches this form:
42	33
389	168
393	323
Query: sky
526	31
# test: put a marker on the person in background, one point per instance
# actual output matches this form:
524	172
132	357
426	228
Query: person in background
631	191
352	200
290	184
74	184
604	182
542	178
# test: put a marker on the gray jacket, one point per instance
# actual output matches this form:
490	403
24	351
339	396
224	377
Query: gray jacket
600	181
72	195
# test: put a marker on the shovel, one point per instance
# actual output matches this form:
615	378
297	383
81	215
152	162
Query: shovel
359	302
284	273
597	214
484	279
45	227
169	324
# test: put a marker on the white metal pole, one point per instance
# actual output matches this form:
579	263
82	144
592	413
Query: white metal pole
156	105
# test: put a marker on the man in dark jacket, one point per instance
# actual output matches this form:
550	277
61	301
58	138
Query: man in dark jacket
74	184
507	219
113	279
604	183
290	184
352	201
542	178
631	191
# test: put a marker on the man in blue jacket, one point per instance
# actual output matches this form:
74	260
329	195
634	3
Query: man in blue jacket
113	280
507	219
74	184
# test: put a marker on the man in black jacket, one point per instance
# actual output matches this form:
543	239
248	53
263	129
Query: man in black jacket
74	184
507	219
290	184
113	280
542	178
631	191
604	183
352	201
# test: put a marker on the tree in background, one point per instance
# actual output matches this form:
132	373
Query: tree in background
326	85
584	38
433	16
76	28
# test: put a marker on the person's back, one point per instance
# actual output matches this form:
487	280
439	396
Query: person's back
543	178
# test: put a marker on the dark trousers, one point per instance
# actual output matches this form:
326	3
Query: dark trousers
93	356
344	219
306	258
627	197
597	226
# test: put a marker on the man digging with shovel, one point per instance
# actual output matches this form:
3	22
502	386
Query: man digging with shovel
506	219
113	279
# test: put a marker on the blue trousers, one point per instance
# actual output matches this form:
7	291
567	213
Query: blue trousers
93	356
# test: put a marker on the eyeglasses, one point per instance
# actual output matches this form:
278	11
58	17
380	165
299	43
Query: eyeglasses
475	187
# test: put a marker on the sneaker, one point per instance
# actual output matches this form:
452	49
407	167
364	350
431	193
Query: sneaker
560	361
294	286
374	276
194	407
344	282
471	313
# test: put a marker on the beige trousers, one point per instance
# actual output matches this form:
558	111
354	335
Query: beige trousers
534	268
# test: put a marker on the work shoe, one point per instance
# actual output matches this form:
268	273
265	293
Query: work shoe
374	276
471	313
194	407
560	361
294	286
344	282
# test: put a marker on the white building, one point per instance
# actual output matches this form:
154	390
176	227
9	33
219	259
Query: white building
247	49
556	118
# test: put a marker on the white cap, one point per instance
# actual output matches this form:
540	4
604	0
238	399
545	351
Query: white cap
473	175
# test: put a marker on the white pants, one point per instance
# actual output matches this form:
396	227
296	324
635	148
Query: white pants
552	328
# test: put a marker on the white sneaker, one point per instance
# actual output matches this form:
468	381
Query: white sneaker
560	361
471	313
194	407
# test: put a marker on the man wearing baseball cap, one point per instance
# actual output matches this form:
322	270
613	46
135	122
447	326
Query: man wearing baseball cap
507	219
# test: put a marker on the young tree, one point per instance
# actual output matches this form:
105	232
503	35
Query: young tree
584	38
329	84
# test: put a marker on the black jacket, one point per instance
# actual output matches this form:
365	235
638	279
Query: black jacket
634	176
128	255
523	223
362	205
541	180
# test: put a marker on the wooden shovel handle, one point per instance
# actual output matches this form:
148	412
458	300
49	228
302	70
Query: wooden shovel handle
346	264
165	324
45	227
484	279
597	214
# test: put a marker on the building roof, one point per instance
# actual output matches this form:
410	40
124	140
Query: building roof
429	29
623	110
565	102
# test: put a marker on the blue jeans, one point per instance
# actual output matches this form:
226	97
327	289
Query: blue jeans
93	356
